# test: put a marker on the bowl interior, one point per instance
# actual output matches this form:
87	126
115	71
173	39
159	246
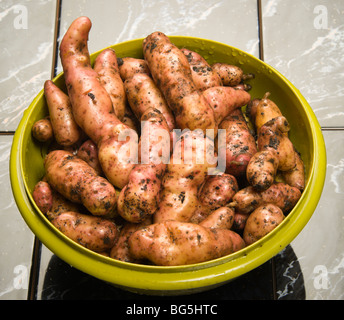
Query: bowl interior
27	169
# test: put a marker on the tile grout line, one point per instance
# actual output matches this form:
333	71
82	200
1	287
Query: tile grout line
36	254
260	30
261	57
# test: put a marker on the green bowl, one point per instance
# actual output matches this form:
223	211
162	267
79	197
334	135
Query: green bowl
26	169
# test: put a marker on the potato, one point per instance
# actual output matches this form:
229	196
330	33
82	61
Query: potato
173	243
261	169
78	182
262	221
129	66
92	106
66	130
184	176
202	74
217	191
61	204
109	76
95	233
240	221
224	100
280	194
120	251
251	111
171	72
143	94
42	130
88	152
221	218
231	75
265	111
240	144
42	195
140	197
272	137
296	176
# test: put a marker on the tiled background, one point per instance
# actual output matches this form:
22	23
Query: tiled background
304	40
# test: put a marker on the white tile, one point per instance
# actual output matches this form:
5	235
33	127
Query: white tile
115	21
304	40
320	245
16	239
27	37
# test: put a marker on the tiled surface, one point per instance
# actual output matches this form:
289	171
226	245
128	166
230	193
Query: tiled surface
304	40
16	238
27	37
118	21
320	245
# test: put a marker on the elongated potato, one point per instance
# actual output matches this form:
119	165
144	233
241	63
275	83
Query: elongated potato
42	130
140	197
280	194
95	233
231	75
109	76
224	100
171	72
261	169
129	66
190	163
173	243
202	74
143	94
272	137
66	130
262	221
79	182
92	106
240	143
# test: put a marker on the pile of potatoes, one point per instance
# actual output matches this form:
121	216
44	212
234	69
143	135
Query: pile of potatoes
123	175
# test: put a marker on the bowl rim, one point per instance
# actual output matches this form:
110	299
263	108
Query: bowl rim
174	278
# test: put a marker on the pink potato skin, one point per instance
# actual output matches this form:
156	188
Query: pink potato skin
79	182
66	130
224	100
173	243
92	105
171	72
109	76
95	233
240	143
143	94
203	75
